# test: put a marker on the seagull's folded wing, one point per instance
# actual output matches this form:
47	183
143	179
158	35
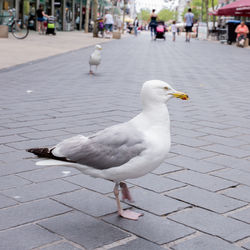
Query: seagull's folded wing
111	147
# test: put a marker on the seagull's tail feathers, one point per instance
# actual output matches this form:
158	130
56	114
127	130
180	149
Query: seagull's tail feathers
46	153
54	163
40	152
82	168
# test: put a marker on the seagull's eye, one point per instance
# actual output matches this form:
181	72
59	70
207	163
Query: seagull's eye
166	88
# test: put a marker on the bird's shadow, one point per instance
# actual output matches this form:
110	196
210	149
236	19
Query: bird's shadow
94	74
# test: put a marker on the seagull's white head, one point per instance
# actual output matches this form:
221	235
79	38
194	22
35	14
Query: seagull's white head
156	91
98	47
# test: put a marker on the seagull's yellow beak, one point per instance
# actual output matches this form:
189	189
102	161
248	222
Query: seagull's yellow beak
180	95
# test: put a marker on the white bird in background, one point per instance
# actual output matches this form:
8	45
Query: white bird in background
124	151
95	58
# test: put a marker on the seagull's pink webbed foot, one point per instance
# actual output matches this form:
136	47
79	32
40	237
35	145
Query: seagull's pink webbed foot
125	192
128	214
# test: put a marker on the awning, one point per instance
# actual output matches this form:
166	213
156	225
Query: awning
213	13
238	8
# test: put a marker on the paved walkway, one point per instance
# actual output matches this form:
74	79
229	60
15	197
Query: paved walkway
35	46
197	200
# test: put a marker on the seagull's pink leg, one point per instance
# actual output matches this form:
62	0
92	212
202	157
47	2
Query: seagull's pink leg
128	214
125	192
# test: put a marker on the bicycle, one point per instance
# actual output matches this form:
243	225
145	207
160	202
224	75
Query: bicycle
18	27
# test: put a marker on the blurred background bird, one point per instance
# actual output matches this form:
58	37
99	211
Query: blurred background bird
95	58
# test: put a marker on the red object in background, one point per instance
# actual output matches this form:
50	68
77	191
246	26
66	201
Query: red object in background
238	8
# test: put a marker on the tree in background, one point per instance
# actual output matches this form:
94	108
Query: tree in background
166	15
95	10
144	15
200	11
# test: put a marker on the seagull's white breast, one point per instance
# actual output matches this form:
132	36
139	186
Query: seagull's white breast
95	58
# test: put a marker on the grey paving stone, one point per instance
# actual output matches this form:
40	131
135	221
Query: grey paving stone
196	153
246	245
6	202
11	138
45	134
212	201
7	132
155	203
193	142
28	212
22	145
240	192
5	149
204	181
231	162
156	183
61	246
49	173
194	164
84	230
218	132
212	102
243	215
151	227
166	168
11	181
189	133
89	202
138	244
205	242
223	140
212	223
95	184
16	156
26	237
40	190
234	175
231	151
16	166
217	125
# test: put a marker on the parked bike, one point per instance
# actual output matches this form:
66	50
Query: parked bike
17	27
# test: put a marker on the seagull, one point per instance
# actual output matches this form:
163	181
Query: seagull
95	58
123	151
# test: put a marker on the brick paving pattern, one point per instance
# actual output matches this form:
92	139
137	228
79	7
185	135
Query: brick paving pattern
198	199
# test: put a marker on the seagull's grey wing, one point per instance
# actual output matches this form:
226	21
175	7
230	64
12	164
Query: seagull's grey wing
91	59
111	147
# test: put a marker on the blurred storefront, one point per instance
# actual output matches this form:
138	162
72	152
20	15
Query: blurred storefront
70	14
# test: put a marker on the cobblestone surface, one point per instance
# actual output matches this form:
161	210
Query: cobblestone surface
198	199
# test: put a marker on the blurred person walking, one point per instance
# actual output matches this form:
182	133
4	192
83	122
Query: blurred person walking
189	20
40	19
153	23
119	24
174	30
136	24
108	22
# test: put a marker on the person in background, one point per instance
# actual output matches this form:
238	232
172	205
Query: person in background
32	17
40	19
119	24
174	30
136	24
77	22
242	32
108	22
178	31
153	23
189	20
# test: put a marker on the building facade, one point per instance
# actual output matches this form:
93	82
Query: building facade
67	12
